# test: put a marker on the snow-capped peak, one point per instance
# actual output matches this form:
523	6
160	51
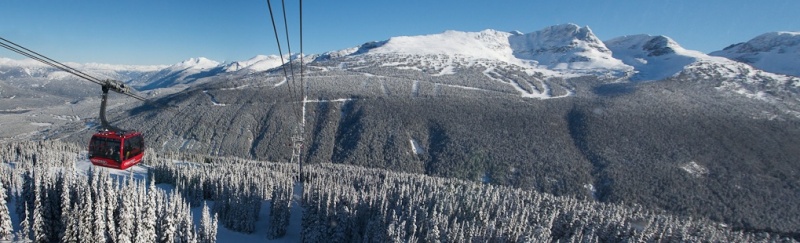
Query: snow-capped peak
113	67
31	68
777	52
8	62
195	63
566	46
338	53
257	63
767	42
487	44
652	45
653	57
562	34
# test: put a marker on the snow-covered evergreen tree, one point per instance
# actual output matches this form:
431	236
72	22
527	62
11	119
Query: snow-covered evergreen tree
111	204
26	194
70	229
183	219
167	226
24	233
86	217
68	219
125	224
279	215
39	224
212	234
433	234
6	230
208	224
47	200
99	211
147	232
188	235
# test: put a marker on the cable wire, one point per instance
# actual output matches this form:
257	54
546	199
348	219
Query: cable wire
288	44
45	61
302	63
297	107
58	65
283	63
53	63
292	81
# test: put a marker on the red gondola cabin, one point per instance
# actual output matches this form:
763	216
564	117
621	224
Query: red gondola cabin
116	150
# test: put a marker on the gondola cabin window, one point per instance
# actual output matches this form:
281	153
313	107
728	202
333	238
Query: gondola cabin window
105	148
133	146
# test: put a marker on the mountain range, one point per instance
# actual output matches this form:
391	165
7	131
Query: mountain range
777	52
635	119
558	51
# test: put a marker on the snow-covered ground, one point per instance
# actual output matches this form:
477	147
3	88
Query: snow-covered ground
257	63
261	226
695	169
415	148
260	233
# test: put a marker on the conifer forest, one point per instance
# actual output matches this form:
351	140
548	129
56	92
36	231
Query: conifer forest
53	201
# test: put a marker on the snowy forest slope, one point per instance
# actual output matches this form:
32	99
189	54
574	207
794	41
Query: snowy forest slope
340	203
606	136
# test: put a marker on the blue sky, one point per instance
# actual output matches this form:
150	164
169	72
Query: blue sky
169	31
